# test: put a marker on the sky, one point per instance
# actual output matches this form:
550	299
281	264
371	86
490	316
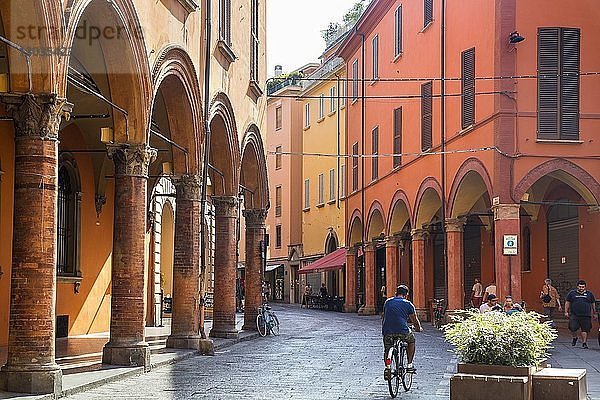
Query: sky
294	30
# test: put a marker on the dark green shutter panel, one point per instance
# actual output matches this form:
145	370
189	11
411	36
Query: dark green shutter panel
468	88
548	83
427	12
375	151
397	136
569	84
426	116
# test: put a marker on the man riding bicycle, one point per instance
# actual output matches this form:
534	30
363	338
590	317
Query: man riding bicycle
397	311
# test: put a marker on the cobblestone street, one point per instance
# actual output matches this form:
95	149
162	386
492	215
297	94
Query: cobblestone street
319	355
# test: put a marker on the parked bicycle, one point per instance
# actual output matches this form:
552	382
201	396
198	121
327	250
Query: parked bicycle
439	311
266	321
397	358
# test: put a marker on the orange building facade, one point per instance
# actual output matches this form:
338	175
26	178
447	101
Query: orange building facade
473	135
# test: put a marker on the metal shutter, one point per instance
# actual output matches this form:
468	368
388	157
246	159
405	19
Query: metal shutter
468	88
397	136
426	116
563	254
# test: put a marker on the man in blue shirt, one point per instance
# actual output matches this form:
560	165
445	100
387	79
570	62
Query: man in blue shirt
579	308
396	313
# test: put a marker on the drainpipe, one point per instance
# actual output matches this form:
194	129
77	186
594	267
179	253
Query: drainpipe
206	152
362	139
443	134
338	140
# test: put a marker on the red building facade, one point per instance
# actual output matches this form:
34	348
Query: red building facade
466	128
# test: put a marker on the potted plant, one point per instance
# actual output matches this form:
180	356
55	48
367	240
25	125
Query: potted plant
498	354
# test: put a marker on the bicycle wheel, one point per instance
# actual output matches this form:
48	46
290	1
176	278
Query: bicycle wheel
261	324
394	382
274	324
406	376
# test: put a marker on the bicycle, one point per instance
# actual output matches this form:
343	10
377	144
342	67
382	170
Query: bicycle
439	311
266	321
398	360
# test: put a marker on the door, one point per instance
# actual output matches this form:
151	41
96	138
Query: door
563	248
472	256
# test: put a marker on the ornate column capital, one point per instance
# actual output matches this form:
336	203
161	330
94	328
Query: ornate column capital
36	116
419	234
255	218
455	224
370	247
392	241
506	211
131	159
225	206
352	251
188	187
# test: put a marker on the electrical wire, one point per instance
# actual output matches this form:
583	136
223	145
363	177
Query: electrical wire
386	155
408	96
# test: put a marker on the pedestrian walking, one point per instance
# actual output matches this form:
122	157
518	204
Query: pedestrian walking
477	294
579	308
306	295
550	299
490	289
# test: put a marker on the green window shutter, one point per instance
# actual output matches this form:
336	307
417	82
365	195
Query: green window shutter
548	83
426	116
569	84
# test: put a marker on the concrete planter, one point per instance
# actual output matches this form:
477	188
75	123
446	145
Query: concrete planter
491	382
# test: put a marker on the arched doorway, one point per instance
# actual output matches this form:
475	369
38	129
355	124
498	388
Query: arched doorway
355	267
375	275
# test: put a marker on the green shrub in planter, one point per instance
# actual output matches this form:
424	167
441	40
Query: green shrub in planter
494	338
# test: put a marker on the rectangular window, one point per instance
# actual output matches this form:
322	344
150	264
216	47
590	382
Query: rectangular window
278	201
307	115
375	50
355	80
254	41
331	184
225	21
278	157
468	88
343	179
558	83
278	236
397	136
343	95
355	166
278	118
426	115
427	12
375	152
321	189
398	31
306	193
321	105
332	99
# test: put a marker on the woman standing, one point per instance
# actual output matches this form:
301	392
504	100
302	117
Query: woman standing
550	299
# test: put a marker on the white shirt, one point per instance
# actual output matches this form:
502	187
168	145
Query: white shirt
478	289
491	289
484	308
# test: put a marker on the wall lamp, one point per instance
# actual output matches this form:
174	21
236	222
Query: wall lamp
515	38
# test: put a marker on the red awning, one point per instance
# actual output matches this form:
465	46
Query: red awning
331	261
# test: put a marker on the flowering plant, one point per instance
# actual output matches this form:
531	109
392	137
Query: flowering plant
494	338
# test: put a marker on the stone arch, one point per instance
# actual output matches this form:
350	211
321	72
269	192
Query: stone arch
175	69
428	202
399	213
376	221
39	14
224	147
563	170
468	172
125	60
253	169
355	229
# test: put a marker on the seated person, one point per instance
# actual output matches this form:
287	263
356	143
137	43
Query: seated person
490	305
323	290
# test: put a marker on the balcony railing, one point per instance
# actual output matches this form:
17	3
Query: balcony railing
276	84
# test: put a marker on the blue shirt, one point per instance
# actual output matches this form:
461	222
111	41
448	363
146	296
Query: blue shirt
580	303
396	312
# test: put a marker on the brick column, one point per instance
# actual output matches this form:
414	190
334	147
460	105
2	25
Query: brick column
127	346
226	211
456	285
31	366
255	232
350	295
186	306
392	266
508	268
370	290
418	284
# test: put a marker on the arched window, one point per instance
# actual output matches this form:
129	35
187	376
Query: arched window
69	202
331	244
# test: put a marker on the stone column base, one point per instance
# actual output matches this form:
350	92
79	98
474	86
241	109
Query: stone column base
367	311
249	326
129	355
350	308
184	342
22	380
224	333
